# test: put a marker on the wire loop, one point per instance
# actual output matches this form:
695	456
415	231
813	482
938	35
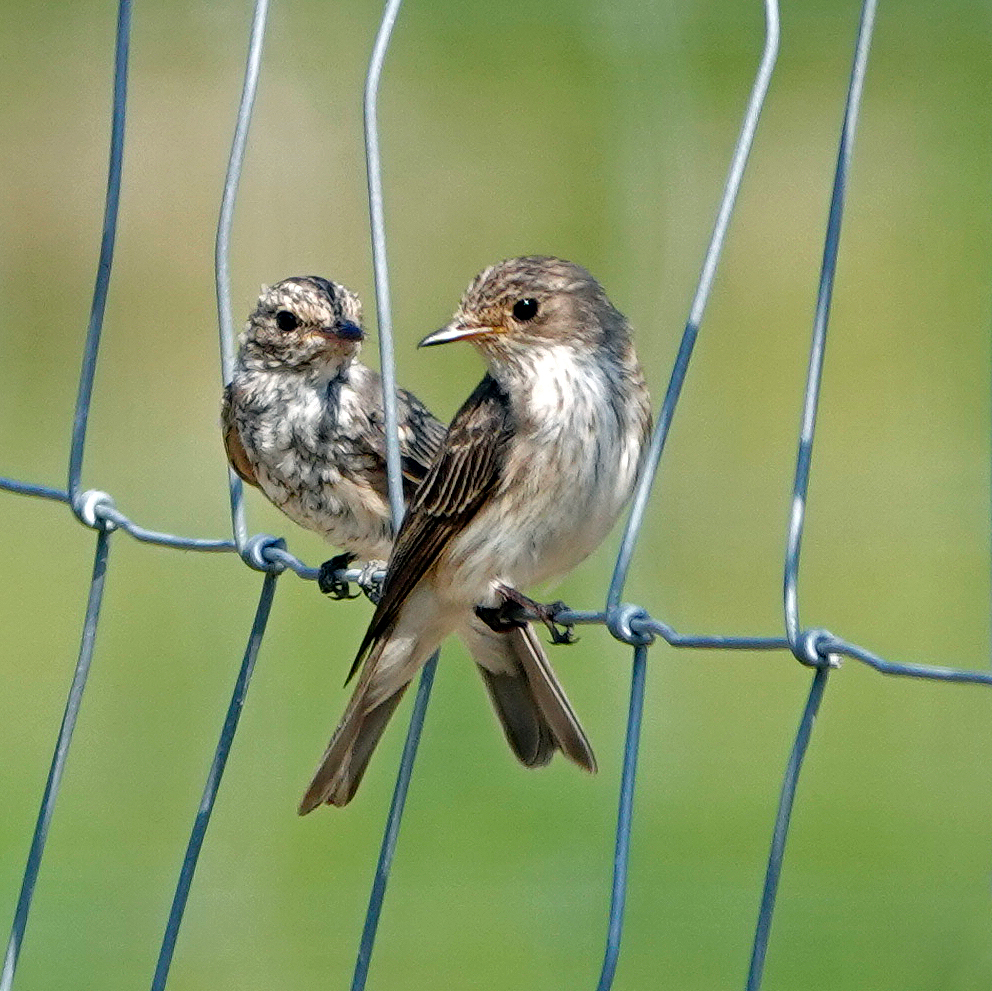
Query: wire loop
623	620
258	553
90	507
810	649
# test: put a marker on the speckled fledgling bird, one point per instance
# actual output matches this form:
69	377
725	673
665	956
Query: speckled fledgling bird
533	472
303	421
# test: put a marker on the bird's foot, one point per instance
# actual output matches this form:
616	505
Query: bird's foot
328	581
516	609
338	588
370	580
501	618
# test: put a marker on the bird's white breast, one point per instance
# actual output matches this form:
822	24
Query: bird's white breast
570	471
299	445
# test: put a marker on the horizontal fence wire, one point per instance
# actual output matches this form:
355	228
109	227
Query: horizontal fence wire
628	623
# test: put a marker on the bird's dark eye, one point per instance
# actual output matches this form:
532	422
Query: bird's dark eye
286	320
525	309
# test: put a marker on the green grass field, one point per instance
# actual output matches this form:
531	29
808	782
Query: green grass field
600	132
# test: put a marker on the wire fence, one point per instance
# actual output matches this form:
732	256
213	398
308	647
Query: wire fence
818	649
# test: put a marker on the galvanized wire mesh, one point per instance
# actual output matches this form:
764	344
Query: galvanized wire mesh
631	624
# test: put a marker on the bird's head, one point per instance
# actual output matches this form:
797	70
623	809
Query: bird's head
527	306
302	323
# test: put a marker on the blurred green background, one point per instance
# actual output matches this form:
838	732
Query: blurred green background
601	132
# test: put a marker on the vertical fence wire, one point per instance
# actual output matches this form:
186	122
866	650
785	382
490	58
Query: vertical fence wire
781	831
621	853
57	769
742	150
107	241
212	785
735	176
373	162
804	651
387	361
77	499
222	248
245	546
807	648
392	831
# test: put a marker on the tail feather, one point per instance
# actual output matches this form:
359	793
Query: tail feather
393	661
347	755
531	704
528	735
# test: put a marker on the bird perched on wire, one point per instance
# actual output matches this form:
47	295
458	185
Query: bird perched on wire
532	474
303	421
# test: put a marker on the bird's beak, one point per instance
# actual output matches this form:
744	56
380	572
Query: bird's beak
345	331
454	332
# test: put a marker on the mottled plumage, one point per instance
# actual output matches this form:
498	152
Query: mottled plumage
533	473
303	419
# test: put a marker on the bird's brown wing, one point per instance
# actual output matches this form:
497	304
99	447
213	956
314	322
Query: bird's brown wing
236	454
467	468
420	436
421	441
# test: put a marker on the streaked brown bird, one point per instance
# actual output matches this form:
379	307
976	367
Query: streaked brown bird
303	421
302	417
531	476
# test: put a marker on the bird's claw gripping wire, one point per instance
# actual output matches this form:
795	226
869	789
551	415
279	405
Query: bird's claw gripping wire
369	579
548	614
517	609
328	581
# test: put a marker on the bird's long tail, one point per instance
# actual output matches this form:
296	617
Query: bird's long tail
529	700
531	704
347	755
391	665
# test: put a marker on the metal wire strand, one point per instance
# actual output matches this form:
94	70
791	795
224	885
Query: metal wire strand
99	305
735	176
212	785
621	855
29	488
806	649
121	45
388	368
373	163
59	758
781	830
392	831
822	315
222	248
262	551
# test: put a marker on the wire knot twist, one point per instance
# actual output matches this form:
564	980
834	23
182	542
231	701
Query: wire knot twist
620	622
90	509
262	552
810	649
